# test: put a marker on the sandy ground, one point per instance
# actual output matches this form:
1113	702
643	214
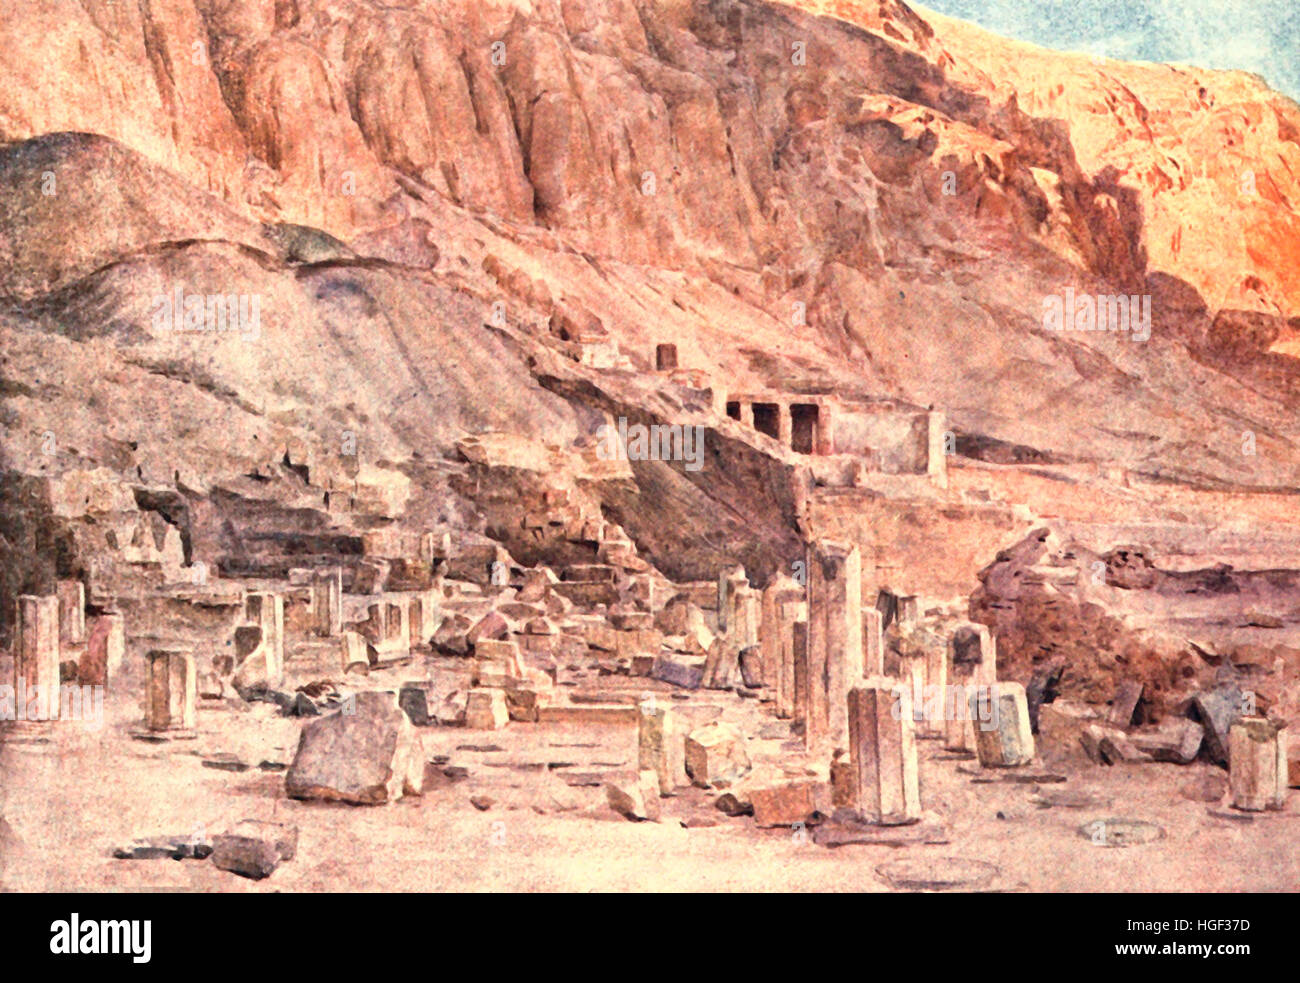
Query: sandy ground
70	795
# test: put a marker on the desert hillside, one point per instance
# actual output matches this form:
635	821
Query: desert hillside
292	286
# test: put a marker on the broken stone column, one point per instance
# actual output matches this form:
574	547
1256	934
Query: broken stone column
972	663
1000	715
931	712
792	612
327	602
105	650
172	689
486	709
1257	764
72	612
266	611
936	456
352	652
799	664
728	580
834	641
744	617
661	745
773	627
873	642
884	783
36	656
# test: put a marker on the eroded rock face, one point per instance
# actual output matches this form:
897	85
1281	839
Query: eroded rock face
366	754
1120	614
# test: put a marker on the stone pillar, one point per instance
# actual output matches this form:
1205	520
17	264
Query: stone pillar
784	425
825	430
972	663
834	641
747	412
1257	764
936	682
936	458
170	697
1000	716
72	612
729	579
873	642
266	610
911	674
105	650
661	745
744	617
783	604
800	684
36	655
884	780
327	602
769	635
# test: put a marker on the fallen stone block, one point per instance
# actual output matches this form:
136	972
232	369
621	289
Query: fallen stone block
1218	709
368	753
588	714
686	672
452	636
496	663
354	653
418	700
492	626
1107	745
486	709
255	849
193	847
788	802
635	798
1061	724
716	756
1177	741
1124	704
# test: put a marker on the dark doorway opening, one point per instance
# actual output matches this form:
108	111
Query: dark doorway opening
804	426
767	418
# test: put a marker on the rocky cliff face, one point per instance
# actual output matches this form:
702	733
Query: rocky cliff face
856	197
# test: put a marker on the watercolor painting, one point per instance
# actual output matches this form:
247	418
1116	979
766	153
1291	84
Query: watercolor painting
649	445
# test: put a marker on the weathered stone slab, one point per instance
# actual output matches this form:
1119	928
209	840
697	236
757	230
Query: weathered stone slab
1218	709
882	750
683	671
1125	702
1177	740
716	756
1003	738
255	849
1257	764
486	709
367	754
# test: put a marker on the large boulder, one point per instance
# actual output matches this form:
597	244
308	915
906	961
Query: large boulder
368	753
